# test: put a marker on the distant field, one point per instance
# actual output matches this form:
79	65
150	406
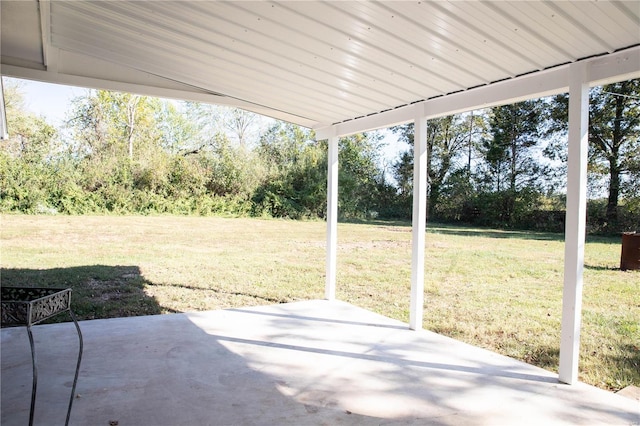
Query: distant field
497	289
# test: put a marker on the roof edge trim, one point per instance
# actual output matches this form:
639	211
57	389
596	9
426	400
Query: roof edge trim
604	69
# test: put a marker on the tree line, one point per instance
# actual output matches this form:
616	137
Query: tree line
505	166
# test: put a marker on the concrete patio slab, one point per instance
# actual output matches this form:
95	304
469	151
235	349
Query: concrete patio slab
304	363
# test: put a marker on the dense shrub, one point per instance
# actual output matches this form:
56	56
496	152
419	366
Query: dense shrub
628	217
121	187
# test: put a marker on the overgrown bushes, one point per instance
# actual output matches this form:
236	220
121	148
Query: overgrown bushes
195	185
529	210
176	160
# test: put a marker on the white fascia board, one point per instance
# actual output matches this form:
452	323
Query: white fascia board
539	84
609	68
189	93
375	121
620	66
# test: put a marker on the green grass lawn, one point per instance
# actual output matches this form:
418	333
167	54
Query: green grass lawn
498	289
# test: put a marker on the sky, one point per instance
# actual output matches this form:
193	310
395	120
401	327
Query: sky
50	101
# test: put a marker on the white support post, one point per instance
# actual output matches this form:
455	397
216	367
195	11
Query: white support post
4	132
419	219
332	218
575	222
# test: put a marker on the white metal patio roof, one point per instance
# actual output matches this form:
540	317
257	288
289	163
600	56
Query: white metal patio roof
308	62
347	67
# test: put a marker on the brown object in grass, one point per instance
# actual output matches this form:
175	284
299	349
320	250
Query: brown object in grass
630	256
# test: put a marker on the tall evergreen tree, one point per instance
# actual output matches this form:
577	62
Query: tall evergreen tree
614	132
510	150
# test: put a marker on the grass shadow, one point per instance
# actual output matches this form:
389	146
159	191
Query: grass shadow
462	231
601	268
219	291
627	362
98	291
543	356
471	231
380	222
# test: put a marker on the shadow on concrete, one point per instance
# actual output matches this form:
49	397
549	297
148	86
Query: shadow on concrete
309	318
494	372
156	370
409	376
313	363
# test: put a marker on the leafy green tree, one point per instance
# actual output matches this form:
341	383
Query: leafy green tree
614	138
294	185
178	130
115	124
29	168
243	128
359	175
118	139
283	145
403	173
630	186
31	138
614	132
451	141
233	170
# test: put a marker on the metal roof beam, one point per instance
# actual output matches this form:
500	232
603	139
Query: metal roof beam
618	66
49	53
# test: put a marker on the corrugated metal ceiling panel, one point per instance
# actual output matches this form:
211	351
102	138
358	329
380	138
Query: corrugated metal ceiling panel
327	62
28	47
